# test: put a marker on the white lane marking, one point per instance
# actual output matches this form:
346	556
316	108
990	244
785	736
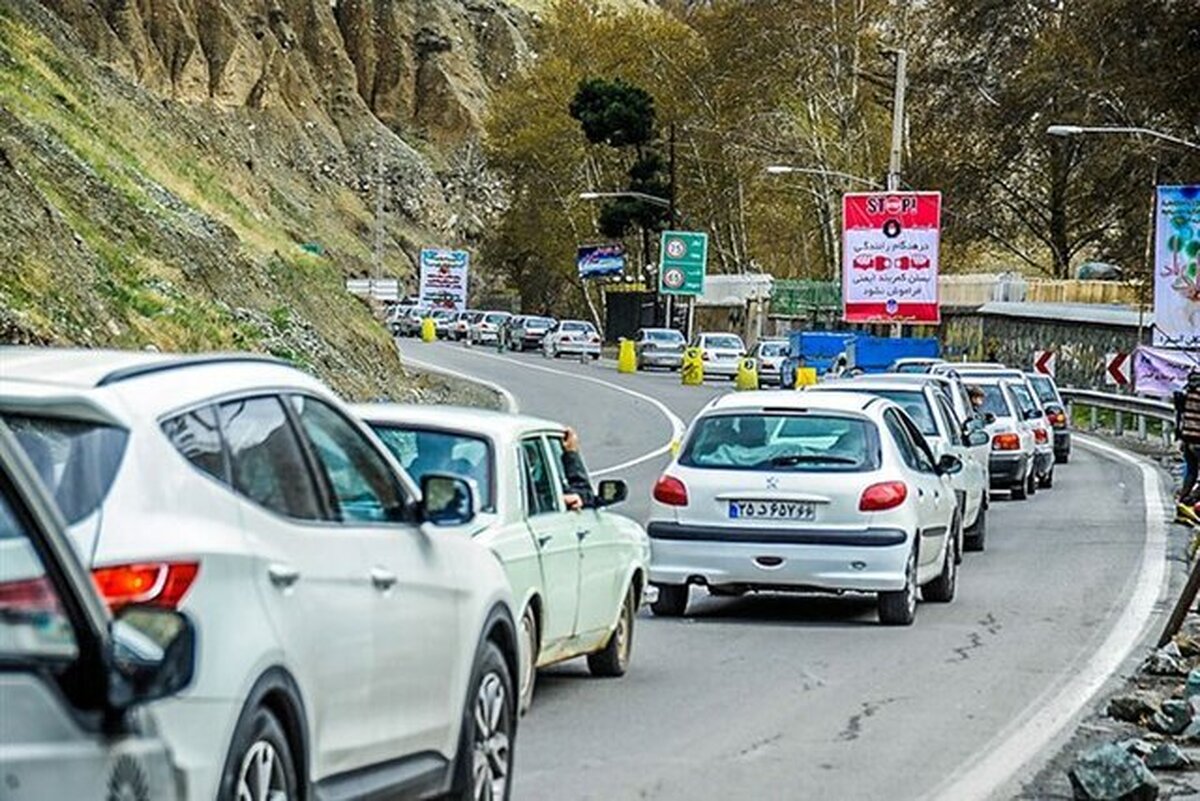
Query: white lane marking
677	424
509	400
1045	718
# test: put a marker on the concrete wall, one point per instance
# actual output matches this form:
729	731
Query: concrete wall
1081	347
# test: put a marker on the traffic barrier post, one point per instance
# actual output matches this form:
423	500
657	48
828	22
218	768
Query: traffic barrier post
747	375
805	377
626	357
428	330
692	371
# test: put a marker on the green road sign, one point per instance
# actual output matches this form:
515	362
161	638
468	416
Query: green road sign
683	256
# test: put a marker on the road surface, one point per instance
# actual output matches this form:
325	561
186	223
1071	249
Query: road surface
805	697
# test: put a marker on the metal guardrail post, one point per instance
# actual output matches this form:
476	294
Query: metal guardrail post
1095	422
1141	426
1119	425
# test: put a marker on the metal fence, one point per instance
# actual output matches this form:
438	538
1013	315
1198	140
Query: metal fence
1137	410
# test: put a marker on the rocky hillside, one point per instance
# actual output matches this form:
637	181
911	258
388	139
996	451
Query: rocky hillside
203	174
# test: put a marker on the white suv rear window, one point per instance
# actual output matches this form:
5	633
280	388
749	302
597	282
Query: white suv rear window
782	442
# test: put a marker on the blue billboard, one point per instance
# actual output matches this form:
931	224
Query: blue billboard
597	261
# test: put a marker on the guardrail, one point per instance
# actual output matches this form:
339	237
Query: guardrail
1140	409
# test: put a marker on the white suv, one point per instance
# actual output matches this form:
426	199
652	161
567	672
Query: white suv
829	491
345	646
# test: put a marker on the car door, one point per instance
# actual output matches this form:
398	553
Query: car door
555	531
933	491
311	575
971	480
603	555
414	611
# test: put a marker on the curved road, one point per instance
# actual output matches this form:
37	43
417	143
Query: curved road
805	697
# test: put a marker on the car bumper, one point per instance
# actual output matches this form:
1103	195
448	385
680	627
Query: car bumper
653	359
869	560
1062	442
199	732
1043	461
486	336
728	369
1007	469
577	348
769	376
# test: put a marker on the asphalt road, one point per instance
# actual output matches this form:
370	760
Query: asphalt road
804	697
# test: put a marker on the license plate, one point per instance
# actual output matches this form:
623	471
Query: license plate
772	510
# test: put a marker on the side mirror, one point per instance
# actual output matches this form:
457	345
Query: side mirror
988	418
1033	414
949	464
447	500
976	437
151	655
611	491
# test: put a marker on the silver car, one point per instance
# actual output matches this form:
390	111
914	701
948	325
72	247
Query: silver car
75	679
770	355
659	347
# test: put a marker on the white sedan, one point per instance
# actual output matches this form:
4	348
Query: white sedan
577	576
572	338
927	406
826	492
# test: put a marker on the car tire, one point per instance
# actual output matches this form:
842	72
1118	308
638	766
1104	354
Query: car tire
672	600
613	660
942	589
527	659
1031	484
492	694
899	608
259	741
1062	458
976	535
1047	481
1018	490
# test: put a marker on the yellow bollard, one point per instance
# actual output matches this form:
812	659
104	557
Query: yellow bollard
805	377
692	371
428	330
747	375
626	357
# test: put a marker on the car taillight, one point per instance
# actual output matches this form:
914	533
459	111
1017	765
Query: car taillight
28	595
1006	442
1040	436
1057	419
671	491
155	583
595	339
883	496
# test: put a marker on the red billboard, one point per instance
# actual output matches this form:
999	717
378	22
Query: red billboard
890	257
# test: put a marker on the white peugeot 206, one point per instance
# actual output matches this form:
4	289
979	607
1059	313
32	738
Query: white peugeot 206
807	492
346	647
577	575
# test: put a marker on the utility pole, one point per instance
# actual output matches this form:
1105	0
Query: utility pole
670	219
893	176
379	189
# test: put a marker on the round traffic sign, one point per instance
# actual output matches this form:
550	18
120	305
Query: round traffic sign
673	278
893	204
891	228
676	248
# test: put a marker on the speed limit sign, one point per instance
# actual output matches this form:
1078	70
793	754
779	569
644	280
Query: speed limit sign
683	258
673	278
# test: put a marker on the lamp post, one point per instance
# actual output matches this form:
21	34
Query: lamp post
1082	130
787	169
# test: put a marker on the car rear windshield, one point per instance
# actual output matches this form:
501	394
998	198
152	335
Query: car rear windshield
538	322
574	326
773	349
76	460
422	451
913	367
1044	388
731	342
1024	399
664	336
994	401
782	442
915	404
496	319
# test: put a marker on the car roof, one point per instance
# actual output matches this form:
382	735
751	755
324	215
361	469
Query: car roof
920	360
920	378
81	368
826	400
971	366
487	422
869	384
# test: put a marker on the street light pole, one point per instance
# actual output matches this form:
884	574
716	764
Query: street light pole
787	169
1078	130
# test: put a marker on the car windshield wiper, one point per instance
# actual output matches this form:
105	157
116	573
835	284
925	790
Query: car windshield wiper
810	458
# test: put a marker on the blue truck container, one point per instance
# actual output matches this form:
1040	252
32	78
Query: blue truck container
871	354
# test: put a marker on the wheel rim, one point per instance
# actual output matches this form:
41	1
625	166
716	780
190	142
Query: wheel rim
261	775
491	750
623	632
528	658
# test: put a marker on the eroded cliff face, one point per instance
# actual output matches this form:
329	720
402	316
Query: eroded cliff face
424	67
203	174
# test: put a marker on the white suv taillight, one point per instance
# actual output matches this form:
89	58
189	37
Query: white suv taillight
671	491
883	496
154	583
